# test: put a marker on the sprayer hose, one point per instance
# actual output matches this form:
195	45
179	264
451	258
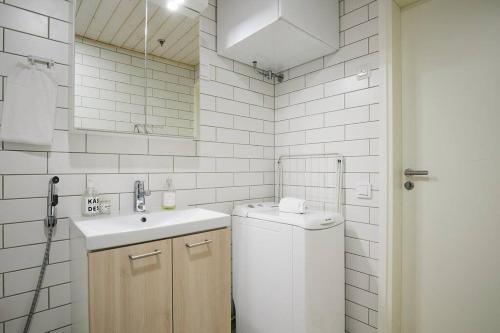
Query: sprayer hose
45	262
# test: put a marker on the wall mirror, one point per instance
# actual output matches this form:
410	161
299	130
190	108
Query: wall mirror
136	66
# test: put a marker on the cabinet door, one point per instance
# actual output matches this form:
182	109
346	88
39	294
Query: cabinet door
202	283
130	289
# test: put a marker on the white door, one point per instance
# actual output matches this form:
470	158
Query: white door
451	124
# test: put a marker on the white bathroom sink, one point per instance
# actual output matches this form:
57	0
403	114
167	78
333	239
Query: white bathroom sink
106	231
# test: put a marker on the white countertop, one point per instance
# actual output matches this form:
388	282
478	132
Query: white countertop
105	231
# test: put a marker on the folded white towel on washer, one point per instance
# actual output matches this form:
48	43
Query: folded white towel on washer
292	205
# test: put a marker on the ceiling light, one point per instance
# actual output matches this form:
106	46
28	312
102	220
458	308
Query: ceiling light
172	5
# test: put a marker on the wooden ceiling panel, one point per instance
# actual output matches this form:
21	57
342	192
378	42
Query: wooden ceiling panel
180	32
177	47
165	30
189	52
86	12
117	19
77	5
121	23
134	21
133	41
156	22
404	3
101	17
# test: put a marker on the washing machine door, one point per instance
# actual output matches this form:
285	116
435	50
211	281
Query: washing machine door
262	276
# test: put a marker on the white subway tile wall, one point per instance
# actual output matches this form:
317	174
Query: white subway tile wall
231	164
110	90
322	107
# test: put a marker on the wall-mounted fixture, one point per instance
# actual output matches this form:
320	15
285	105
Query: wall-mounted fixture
50	225
268	74
37	60
363	191
364	72
140	194
279	34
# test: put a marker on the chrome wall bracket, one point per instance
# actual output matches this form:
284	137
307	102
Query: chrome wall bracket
268	74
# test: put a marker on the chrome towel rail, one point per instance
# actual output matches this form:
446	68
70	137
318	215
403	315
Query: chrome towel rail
340	162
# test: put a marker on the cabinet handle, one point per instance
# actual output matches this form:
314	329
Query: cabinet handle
207	241
145	255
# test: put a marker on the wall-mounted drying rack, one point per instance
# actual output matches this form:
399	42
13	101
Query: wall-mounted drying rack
37	60
340	162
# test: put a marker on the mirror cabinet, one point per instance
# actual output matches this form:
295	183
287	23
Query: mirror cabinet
136	66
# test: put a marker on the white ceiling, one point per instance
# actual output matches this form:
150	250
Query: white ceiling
121	23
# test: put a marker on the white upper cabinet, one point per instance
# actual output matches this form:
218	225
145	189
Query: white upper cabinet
278	34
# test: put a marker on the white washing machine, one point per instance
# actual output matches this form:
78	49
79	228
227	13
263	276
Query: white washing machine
288	271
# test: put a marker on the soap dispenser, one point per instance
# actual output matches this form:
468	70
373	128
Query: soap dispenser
168	198
90	200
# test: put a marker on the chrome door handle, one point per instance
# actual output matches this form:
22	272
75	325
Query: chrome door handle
145	255
207	241
411	172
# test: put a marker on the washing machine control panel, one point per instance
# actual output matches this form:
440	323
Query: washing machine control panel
243	210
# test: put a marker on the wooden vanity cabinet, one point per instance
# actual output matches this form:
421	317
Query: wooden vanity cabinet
202	283
130	294
179	285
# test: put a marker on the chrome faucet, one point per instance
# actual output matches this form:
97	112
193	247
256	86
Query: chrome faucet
140	196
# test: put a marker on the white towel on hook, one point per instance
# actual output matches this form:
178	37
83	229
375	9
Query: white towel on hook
29	106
